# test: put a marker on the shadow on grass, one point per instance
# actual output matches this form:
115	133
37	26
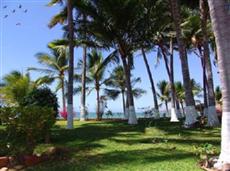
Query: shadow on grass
157	140
116	159
88	133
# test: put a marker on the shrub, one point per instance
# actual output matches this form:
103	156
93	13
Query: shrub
42	97
204	151
26	126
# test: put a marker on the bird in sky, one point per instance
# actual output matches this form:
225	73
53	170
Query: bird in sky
25	11
14	11
5	16
18	24
20	6
5	6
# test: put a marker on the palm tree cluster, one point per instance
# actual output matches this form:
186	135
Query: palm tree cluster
125	28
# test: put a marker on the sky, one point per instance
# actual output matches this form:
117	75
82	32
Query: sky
23	34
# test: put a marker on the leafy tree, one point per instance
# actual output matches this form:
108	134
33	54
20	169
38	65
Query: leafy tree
15	87
55	66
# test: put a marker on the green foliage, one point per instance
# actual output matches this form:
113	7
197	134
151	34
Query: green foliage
15	86
42	97
109	113
218	95
26	126
205	150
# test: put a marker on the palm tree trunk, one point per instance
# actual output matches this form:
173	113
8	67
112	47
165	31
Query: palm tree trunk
166	107
98	101
205	111
83	82
212	115
131	111
123	103
174	117
220	16
178	109
63	93
190	111
151	80
71	65
182	106
170	71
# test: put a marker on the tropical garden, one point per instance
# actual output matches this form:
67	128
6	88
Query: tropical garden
187	126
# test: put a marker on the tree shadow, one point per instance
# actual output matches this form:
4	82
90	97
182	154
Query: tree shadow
118	159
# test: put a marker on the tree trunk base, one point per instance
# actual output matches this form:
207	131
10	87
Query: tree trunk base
213	120
190	115
132	116
173	115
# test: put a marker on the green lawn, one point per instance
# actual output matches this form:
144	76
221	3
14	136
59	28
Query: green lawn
117	146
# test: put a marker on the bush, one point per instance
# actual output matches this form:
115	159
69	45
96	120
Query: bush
204	151
42	97
26	126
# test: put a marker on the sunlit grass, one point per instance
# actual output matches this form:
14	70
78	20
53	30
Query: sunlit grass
163	146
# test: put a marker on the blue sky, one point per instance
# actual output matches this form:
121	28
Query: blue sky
25	34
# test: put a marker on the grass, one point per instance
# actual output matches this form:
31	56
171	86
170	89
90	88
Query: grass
116	146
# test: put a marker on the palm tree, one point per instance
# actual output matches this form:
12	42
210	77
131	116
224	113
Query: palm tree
60	18
71	65
114	28
96	67
212	115
165	51
190	110
55	66
15	87
150	79
164	93
219	12
116	84
193	37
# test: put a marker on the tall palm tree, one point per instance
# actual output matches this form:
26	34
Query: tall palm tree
114	28
71	65
116	86
150	79
212	115
165	51
15	87
164	93
55	66
220	17
190	110
193	37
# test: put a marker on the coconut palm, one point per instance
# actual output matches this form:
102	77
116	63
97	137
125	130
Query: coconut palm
114	28
96	68
190	110
204	15
150	79
55	65
116	86
165	43
164	93
197	32
15	87
219	12
71	64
